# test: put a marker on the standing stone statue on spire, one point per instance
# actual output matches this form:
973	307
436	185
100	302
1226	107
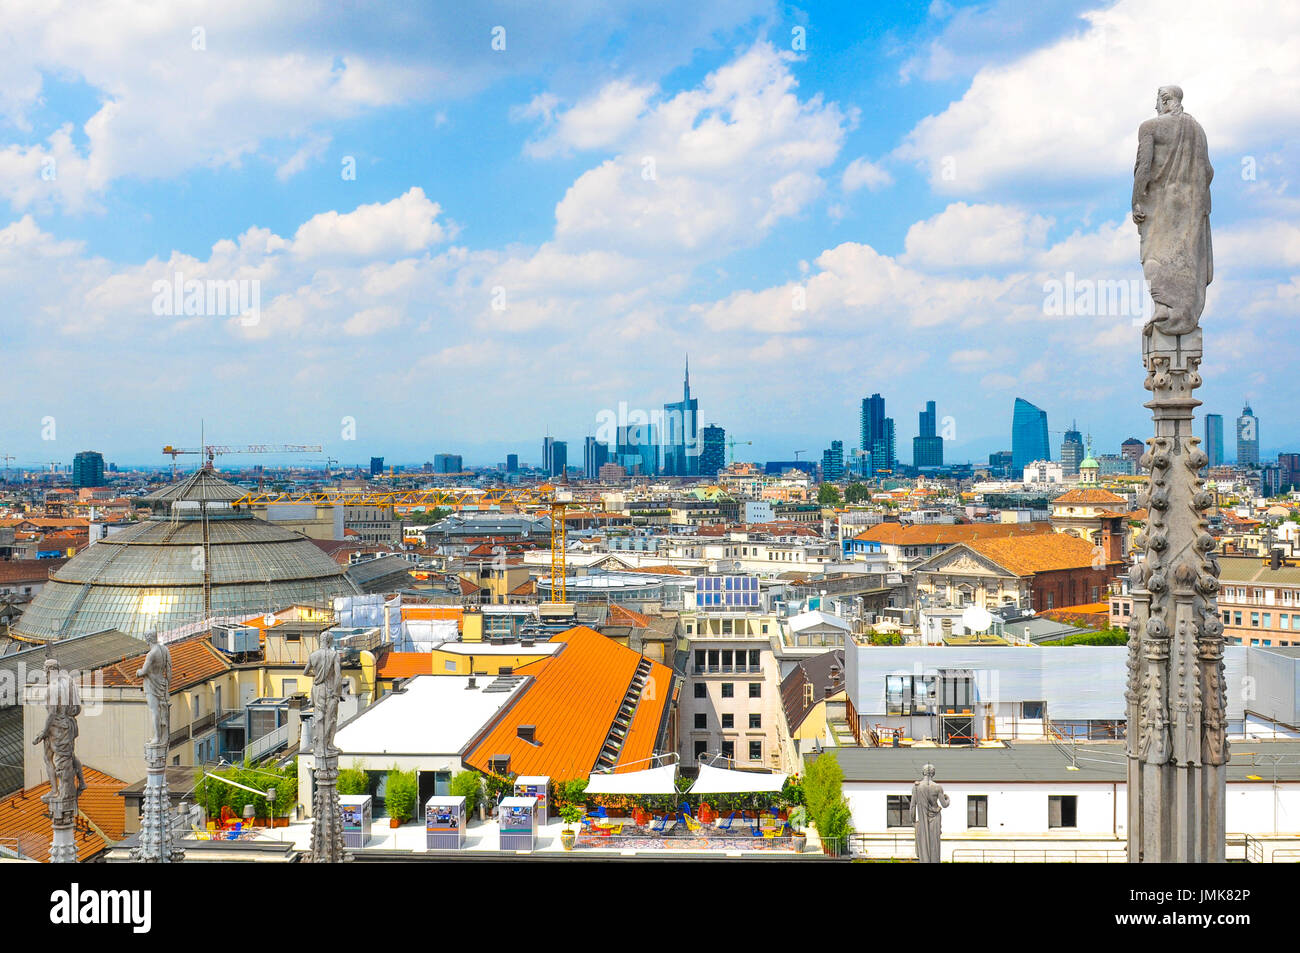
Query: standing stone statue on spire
62	767
325	668
928	802
1176	696
157	839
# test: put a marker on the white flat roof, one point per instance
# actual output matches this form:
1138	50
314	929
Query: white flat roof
510	648
436	714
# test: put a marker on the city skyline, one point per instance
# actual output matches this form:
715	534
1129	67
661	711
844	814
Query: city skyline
840	231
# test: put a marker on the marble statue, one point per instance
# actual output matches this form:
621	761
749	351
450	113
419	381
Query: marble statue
928	802
157	674
62	767
1171	208
325	668
1176	696
59	736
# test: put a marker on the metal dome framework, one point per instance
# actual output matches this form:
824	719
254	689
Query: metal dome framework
194	559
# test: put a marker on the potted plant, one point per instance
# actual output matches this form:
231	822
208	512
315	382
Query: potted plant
400	795
796	819
572	815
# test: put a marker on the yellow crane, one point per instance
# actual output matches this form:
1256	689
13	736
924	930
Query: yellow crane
555	499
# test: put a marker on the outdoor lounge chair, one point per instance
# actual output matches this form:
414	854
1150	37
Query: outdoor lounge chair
726	825
658	825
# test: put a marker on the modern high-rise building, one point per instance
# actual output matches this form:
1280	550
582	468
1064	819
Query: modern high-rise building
877	436
555	456
1247	438
1132	449
833	462
1000	463
637	449
1289	465
447	463
512	463
713	450
88	469
927	446
1028	435
681	438
1214	439
376	466
594	456
1072	451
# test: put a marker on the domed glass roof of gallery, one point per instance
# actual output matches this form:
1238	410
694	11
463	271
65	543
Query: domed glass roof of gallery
195	558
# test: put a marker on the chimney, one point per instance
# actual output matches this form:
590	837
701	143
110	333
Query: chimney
1275	558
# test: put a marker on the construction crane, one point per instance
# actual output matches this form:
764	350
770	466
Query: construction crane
210	451
796	455
731	449
556	499
6	459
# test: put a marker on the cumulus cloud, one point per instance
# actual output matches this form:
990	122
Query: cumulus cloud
1069	110
979	235
863	173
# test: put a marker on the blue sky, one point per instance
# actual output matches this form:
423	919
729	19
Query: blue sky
817	202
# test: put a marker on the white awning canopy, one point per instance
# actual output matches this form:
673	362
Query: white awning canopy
650	781
722	781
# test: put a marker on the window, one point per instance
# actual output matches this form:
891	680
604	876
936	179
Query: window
701	749
977	810
728	690
729	750
756	689
756	751
898	810
701	690
728	721
1062	810
908	694
701	721
700	663
1254	619
1031	711
755	721
754	660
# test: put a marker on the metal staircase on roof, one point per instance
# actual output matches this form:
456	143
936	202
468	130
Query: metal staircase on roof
622	724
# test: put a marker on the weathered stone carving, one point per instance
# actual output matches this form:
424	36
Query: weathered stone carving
928	802
62	767
157	842
1177	703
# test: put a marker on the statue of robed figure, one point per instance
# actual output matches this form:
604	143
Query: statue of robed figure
325	668
157	674
928	802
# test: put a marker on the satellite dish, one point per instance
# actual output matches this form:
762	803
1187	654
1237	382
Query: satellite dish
268	619
976	618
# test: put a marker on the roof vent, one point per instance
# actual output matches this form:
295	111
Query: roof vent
528	733
499	763
472	683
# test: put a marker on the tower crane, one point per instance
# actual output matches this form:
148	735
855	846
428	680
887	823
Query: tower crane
555	499
210	451
731	449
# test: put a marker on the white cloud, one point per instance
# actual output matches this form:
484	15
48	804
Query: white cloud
405	225
975	235
1070	110
596	123
863	173
705	171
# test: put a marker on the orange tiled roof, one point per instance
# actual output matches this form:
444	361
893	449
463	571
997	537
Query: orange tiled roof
914	534
1027	555
620	616
1088	497
660	570
467	588
526	588
406	664
194	661
572	700
23	817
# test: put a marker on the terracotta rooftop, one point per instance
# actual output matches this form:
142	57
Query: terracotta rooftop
194	661
572	701
405	664
23	818
1027	555
27	570
1089	497
938	534
621	616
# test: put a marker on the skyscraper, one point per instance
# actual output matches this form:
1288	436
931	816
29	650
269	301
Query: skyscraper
927	446
448	463
1132	449
1072	451
713	450
555	456
88	469
594	456
637	449
877	436
681	439
1247	438
1028	435
512	462
1214	439
376	466
833	462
